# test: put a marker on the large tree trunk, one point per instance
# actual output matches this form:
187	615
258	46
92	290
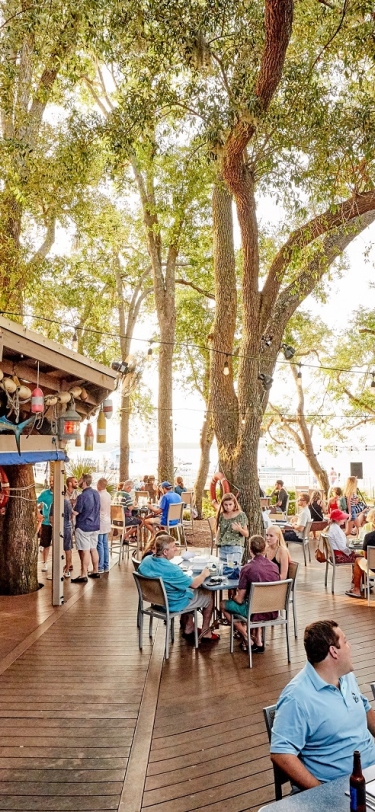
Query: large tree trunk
206	439
18	540
124	437
165	424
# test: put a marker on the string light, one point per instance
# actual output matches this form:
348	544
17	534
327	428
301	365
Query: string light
372	384
149	351
299	373
226	367
75	341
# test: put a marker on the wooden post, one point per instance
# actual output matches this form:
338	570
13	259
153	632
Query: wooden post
58	534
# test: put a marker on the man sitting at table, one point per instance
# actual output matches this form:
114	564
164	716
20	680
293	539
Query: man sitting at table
125	499
184	593
258	570
295	531
321	716
161	513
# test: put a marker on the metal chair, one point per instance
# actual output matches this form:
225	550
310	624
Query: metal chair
187	499
279	777
292	573
152	591
121	537
373	688
331	561
175	511
212	525
272	596
305	541
370	553
142	495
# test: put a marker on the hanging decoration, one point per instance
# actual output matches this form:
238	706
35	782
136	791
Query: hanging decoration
101	428
108	408
37	401
78	442
89	438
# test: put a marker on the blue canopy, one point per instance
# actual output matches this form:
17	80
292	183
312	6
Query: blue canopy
30	457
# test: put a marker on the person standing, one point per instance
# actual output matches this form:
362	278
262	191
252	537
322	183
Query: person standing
105	525
87	512
72	489
281	496
332	477
45	500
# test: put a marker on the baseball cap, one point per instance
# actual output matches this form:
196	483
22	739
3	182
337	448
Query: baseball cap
166	485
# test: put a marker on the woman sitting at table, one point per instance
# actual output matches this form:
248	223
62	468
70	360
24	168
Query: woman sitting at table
231	527
369	527
179	486
277	551
338	540
360	567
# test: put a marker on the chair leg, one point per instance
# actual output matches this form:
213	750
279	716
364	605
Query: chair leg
150	627
172	630
304	552
167	625
333	578
140	630
308	547
287	635
295	615
231	635
196	628
249	645
326	575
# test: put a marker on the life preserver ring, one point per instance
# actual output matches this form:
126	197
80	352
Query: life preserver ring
4	490
224	486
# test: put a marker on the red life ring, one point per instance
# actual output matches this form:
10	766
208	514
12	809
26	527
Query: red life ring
4	490
224	486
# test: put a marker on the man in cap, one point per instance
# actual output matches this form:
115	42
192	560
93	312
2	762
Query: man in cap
169	498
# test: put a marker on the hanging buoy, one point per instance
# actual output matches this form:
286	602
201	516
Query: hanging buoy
9	385
4	490
89	438
78	442
37	401
24	393
64	397
100	428
108	408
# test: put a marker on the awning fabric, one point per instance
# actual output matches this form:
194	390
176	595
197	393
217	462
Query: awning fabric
30	457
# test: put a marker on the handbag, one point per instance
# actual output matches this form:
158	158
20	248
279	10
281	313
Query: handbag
320	555
359	507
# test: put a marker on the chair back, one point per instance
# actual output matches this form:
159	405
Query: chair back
292	571
328	551
306	531
373	689
272	596
136	562
117	515
187	498
280	777
175	511
265	501
277	517
371	557
151	589
269	717
142	495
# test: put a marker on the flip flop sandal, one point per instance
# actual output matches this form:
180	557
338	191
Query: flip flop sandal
213	639
353	595
244	647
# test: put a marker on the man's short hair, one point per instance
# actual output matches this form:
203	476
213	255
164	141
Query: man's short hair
103	482
257	544
69	479
128	483
279	482
162	542
305	497
318	638
87	478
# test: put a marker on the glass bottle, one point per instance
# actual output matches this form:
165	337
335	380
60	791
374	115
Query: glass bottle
357	785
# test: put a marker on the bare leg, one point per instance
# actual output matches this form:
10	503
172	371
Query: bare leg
85	560
68	560
94	558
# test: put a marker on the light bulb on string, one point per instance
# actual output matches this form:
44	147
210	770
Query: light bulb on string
372	384
226	366
75	341
149	351
299	373
243	421
171	416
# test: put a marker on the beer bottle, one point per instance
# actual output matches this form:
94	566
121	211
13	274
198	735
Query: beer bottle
357	785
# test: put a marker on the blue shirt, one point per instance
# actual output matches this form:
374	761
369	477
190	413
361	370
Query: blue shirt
45	500
176	582
88	508
169	498
323	725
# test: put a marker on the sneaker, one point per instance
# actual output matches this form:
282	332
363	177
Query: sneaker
67	574
45	568
101	571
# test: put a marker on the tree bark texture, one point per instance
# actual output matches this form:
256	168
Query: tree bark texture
18	539
206	440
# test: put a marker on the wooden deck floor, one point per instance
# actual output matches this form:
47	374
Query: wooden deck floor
78	703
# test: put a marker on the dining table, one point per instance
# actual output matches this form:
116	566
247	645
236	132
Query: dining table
331	795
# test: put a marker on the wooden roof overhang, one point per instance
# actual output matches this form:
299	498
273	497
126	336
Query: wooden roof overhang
22	351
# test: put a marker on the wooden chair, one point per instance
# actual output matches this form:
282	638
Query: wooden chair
272	596
152	591
212	525
279	777
187	499
175	511
331	561
305	541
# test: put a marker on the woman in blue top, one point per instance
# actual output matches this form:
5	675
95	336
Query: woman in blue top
179	487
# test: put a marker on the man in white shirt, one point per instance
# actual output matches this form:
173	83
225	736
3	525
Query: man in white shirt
105	525
295	531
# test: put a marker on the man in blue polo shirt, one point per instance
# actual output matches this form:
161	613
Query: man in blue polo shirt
87	512
321	716
169	498
184	593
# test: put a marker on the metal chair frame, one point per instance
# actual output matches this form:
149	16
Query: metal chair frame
370	553
212	525
187	499
372	684
262	599
292	573
279	776
305	541
153	591
123	540
331	561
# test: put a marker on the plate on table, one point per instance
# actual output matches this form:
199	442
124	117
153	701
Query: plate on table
187	555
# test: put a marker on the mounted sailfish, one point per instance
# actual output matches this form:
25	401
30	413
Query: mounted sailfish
17	429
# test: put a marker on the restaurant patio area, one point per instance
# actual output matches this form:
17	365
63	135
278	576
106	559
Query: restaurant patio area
90	723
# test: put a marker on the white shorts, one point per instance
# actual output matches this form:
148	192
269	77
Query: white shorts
85	540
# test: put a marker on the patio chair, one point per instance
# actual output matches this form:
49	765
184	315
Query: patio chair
279	777
292	573
175	511
212	525
305	541
152	591
331	561
272	596
187	498
121	537
142	495
370	552
373	689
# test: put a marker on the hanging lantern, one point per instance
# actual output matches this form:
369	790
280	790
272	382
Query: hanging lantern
69	425
37	401
108	408
78	442
100	428
89	438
